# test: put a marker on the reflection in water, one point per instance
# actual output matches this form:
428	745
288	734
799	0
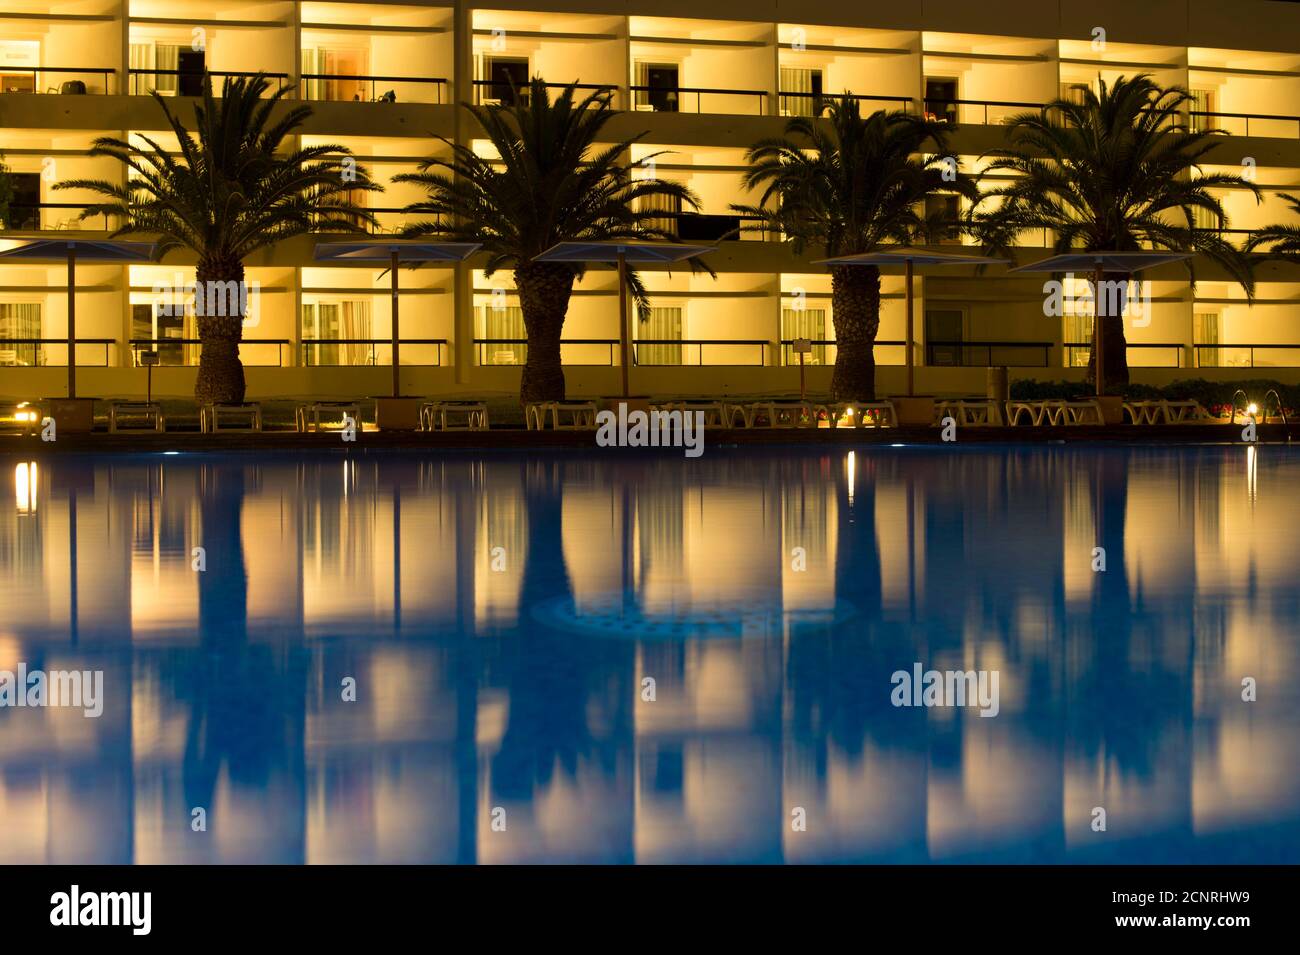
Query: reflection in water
500	616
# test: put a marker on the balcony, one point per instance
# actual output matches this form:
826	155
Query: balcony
1245	93
699	66
65	80
190	82
375	53
818	64
510	47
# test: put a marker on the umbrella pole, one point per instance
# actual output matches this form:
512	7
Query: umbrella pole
1098	359
397	387
624	333
72	321
908	358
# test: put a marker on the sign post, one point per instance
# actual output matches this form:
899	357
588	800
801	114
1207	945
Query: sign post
802	346
148	359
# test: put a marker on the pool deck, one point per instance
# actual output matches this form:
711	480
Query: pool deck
505	439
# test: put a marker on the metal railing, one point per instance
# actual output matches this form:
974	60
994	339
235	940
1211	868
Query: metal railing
507	352
315	86
793	103
30	352
1238	124
184	352
1074	351
657	359
789	358
986	354
675	99
36	222
973	111
316	351
1223	355
69	71
495	92
279	79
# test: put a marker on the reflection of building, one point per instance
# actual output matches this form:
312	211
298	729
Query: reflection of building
384	78
1116	690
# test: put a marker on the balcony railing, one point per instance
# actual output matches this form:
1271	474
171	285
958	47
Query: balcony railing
47	352
987	354
356	88
364	352
495	92
1244	356
28	216
190	82
662	352
814	104
1239	124
1148	354
505	352
182	352
679	99
61	79
974	111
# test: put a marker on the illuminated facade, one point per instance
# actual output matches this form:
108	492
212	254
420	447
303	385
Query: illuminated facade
384	78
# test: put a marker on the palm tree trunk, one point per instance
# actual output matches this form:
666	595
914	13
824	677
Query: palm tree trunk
544	290
1113	344
855	312
220	301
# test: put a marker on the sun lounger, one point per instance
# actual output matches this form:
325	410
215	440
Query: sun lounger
783	414
308	417
242	417
715	412
563	415
135	416
862	414
971	412
454	416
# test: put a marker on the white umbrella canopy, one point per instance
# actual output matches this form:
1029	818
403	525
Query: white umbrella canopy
1099	263
623	251
394	252
70	250
909	258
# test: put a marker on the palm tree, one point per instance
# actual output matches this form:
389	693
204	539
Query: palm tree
850	186
229	192
1117	171
1283	239
553	183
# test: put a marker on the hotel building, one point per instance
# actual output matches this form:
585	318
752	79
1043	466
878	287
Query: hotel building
701	82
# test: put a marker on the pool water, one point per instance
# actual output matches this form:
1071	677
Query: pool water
618	657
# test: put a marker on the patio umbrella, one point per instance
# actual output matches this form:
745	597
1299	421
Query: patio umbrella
70	250
1099	263
622	252
394	252
909	258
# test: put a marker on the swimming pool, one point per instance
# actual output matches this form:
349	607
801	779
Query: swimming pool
399	657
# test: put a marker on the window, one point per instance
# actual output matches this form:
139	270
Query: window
944	335
669	205
1205	331
166	331
801	92
506	75
504	322
25	206
148	57
1202	102
19	320
343	328
939	212
657	87
940	94
337	62
663	328
807	323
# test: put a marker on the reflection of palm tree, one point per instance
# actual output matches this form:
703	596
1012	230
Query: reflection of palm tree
246	710
553	676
